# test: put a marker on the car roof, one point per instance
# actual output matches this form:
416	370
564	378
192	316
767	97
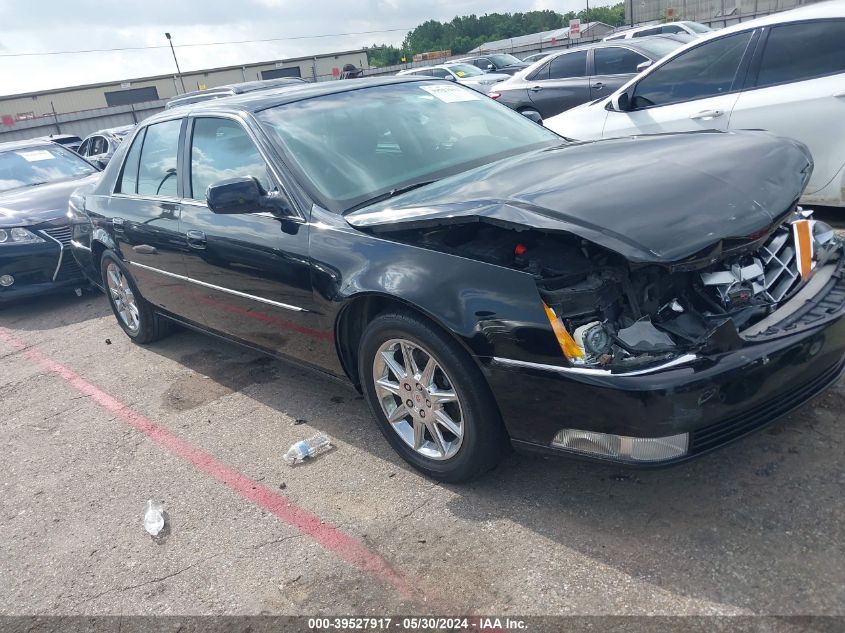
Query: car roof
261	100
33	142
239	88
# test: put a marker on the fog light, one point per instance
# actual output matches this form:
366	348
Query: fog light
620	447
6	281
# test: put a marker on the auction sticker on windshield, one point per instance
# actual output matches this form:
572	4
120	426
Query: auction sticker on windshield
450	94
36	155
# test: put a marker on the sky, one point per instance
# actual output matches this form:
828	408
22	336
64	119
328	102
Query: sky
67	25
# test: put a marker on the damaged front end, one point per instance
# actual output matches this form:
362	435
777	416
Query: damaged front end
619	317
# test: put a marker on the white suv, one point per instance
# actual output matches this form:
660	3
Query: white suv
687	27
784	73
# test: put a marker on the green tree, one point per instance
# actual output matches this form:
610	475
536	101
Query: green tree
463	33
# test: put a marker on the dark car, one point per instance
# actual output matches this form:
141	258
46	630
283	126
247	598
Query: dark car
100	146
36	180
577	75
70	141
496	63
453	261
231	89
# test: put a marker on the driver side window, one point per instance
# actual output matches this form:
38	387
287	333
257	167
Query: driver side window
708	70
157	170
222	149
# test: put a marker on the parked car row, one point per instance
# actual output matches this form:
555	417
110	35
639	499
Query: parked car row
784	73
568	78
461	73
452	260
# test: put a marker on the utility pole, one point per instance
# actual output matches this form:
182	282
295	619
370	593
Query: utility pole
178	71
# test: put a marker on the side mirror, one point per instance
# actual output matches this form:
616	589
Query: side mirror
644	65
534	116
244	195
449	78
490	67
101	162
620	102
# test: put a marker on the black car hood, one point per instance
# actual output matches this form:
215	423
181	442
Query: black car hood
33	205
657	199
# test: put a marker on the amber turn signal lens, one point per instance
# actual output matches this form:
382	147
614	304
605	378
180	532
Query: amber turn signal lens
568	345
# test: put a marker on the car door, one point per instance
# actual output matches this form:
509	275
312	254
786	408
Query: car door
798	90
560	84
696	90
249	272
612	67
145	216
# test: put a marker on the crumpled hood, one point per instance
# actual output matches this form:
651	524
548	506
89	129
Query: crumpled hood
33	205
658	199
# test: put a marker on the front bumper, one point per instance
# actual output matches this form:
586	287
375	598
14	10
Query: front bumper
39	268
715	399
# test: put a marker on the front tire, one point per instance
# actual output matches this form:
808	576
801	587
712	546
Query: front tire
133	313
430	400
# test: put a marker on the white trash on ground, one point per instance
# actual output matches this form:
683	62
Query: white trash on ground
304	449
153	517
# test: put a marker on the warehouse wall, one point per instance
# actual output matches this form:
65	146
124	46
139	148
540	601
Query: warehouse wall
32	110
716	13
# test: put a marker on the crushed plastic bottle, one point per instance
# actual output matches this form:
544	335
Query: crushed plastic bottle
153	517
304	449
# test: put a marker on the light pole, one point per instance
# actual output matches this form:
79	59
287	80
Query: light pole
178	72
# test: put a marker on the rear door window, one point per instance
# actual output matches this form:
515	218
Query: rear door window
708	70
796	52
157	175
568	65
616	60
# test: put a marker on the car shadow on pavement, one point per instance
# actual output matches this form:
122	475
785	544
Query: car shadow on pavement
54	310
755	526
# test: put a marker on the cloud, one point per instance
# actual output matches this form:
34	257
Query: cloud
92	24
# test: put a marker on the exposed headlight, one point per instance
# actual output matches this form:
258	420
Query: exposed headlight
18	235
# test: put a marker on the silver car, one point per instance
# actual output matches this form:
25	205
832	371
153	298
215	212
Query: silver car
465	74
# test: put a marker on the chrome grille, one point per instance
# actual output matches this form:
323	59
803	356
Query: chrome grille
780	264
59	233
771	272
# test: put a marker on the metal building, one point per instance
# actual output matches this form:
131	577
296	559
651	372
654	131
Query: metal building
715	13
84	109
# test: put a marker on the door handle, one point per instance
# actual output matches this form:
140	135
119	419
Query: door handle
196	239
706	115
598	85
536	88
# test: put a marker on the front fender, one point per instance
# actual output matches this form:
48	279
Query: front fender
494	311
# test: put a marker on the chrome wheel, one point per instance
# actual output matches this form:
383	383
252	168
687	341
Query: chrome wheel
123	298
418	399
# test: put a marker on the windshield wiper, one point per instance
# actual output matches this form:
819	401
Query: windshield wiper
392	193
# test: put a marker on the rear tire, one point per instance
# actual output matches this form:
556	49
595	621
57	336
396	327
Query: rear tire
132	312
435	410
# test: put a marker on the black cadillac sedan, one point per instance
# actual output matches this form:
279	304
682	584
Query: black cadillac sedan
36	180
480	280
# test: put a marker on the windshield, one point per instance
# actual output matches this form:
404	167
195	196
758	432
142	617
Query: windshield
697	27
465	70
354	146
38	165
504	60
658	47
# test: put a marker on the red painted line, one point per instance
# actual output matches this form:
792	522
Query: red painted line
331	538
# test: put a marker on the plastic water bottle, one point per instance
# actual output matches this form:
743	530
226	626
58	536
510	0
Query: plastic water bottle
304	449
153	517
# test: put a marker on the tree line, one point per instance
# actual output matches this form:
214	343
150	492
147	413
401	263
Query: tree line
463	33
